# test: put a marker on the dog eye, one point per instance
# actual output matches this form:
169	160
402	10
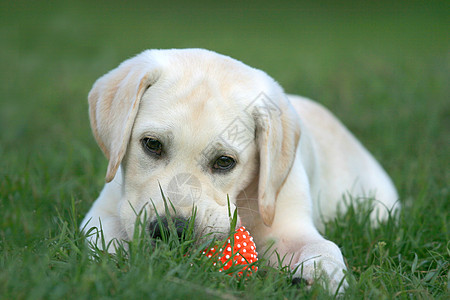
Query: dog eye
152	145
224	163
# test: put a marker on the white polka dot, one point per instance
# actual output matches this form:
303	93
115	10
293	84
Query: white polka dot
251	239
212	249
220	270
238	245
244	243
229	249
220	250
244	250
204	252
214	264
227	256
209	255
251	247
244	236
243	259
237	237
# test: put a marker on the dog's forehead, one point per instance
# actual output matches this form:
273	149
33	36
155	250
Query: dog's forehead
186	70
198	111
202	97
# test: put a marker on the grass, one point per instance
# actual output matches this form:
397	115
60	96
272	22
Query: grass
382	67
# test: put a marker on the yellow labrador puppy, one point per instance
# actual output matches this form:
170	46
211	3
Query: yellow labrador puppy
204	126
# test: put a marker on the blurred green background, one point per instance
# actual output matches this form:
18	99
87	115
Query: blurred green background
381	66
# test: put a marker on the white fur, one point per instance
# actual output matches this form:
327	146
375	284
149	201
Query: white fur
294	163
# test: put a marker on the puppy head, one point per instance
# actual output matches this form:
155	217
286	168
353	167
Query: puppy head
199	125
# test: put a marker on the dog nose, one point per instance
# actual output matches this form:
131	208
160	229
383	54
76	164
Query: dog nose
159	228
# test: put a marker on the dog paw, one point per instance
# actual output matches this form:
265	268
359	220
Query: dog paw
329	273
323	263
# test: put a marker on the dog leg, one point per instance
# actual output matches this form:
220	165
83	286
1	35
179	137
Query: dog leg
297	240
322	261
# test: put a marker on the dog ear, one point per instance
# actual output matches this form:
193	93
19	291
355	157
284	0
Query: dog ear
113	104
278	134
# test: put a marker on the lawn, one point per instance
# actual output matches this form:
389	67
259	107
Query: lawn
383	68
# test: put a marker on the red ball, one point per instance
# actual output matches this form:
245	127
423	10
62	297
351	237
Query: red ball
238	250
